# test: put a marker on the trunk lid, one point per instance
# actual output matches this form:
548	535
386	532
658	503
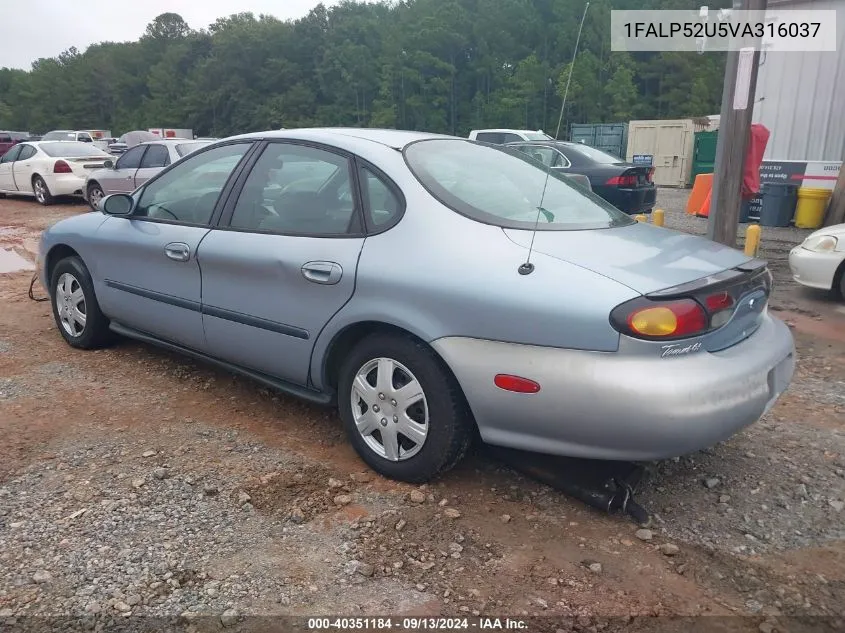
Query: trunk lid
645	258
732	289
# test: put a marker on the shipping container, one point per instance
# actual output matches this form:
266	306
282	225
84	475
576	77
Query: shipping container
704	153
608	137
670	143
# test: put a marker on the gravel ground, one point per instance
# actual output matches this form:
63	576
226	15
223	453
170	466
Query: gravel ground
137	483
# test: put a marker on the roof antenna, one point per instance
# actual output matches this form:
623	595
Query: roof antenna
527	268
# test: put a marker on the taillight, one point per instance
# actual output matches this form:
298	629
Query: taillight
650	176
720	305
61	167
622	181
644	318
515	383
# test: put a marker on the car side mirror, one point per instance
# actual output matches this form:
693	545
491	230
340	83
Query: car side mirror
116	204
108	164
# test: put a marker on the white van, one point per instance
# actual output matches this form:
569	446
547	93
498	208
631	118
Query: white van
502	136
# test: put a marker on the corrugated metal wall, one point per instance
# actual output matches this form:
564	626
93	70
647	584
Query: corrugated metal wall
801	96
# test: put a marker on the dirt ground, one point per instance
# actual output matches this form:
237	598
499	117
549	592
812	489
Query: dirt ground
135	482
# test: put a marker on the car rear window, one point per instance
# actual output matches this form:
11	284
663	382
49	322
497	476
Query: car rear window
595	155
75	149
187	148
501	186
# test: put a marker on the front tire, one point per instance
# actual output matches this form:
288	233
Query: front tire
75	308
94	195
404	412
42	191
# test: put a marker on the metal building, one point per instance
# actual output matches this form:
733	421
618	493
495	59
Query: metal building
800	97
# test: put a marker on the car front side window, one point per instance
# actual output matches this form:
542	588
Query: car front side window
12	155
131	159
188	192
295	189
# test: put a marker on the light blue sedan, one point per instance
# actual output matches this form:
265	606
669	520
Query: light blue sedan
398	276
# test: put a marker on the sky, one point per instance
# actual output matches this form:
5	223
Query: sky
44	28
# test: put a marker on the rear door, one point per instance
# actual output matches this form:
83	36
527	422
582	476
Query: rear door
284	259
121	179
156	158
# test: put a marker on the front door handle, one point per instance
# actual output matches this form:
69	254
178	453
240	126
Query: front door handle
328	273
178	251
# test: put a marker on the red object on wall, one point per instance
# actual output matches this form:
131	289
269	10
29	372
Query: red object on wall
759	138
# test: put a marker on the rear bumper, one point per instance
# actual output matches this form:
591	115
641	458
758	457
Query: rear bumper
641	200
621	406
814	270
65	184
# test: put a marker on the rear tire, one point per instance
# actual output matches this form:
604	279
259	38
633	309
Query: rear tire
42	191
432	410
75	308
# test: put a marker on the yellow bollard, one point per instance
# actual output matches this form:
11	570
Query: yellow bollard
659	217
752	240
641	218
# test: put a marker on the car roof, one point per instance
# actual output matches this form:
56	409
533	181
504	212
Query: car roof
173	141
341	136
506	129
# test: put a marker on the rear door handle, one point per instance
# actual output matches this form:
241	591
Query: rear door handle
328	273
178	251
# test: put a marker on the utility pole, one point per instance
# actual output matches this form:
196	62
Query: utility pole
836	208
734	127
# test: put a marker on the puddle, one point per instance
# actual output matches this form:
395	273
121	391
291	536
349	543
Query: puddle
11	262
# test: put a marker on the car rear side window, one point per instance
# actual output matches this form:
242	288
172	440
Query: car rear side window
501	186
188	193
27	151
298	190
156	156
381	202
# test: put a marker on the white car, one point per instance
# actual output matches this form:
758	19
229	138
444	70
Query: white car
47	169
501	136
819	261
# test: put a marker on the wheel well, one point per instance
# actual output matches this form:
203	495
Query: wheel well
34	176
90	184
837	278
348	338
57	254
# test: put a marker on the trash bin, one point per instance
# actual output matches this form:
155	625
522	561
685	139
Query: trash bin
812	203
745	211
779	201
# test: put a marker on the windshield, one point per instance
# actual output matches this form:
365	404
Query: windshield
75	149
501	186
595	155
187	148
537	136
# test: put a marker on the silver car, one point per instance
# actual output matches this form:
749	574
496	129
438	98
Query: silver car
398	276
135	167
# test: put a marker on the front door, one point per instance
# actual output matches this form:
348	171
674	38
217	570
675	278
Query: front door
146	265
7	181
283	261
121	179
23	168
